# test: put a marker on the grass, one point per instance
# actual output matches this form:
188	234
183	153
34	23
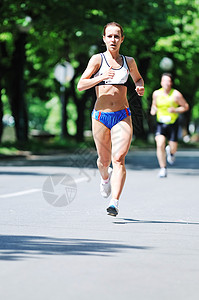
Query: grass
43	146
8	151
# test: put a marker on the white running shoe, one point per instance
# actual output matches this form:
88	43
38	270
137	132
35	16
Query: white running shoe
170	157
163	173
105	188
113	210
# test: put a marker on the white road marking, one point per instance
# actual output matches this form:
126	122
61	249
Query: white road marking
20	193
82	179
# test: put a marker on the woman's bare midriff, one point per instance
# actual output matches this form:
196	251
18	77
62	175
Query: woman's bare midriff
111	98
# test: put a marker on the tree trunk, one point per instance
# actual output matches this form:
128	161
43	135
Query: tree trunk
80	120
135	105
143	66
81	108
1	117
18	104
135	102
3	55
63	99
80	105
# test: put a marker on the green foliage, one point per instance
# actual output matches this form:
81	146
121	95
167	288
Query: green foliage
53	120
72	30
38	113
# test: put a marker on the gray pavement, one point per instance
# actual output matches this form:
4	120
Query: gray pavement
149	251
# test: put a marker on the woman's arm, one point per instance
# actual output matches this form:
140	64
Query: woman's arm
86	82
135	74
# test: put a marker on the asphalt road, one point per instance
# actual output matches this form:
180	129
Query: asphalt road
57	242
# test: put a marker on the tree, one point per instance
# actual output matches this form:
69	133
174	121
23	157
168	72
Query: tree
153	29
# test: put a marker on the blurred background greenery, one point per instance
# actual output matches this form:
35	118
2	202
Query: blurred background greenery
35	36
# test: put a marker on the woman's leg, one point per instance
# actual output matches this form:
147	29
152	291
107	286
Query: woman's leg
102	138
121	136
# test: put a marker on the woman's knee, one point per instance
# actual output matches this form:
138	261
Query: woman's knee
118	158
103	162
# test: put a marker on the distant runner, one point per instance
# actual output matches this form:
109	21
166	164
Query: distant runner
167	104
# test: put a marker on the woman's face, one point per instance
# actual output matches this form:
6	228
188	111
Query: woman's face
113	38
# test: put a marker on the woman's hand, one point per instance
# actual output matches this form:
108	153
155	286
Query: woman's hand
140	90
109	74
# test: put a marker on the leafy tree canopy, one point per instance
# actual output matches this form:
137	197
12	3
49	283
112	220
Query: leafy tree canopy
72	30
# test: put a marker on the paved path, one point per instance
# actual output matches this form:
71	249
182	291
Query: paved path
150	251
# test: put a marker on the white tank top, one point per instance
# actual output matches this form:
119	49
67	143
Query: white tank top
121	74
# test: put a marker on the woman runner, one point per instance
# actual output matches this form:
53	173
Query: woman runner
111	118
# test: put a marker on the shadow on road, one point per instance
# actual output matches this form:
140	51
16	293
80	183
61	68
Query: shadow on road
16	247
14	173
128	221
135	160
